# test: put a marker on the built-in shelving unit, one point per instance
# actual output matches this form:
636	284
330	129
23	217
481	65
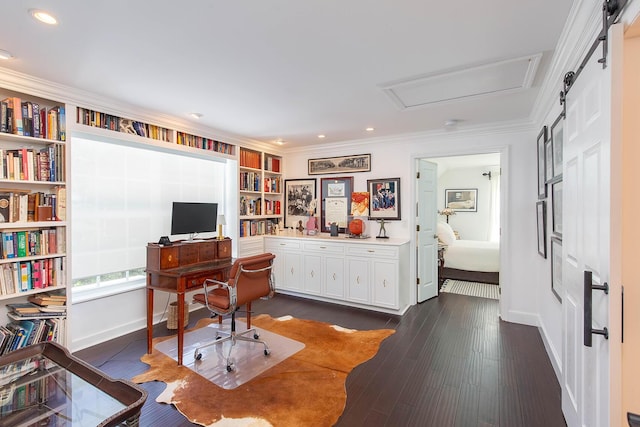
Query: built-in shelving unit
97	119
33	212
261	197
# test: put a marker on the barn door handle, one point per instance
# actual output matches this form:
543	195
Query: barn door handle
588	309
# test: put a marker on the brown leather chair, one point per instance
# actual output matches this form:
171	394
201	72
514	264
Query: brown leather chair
250	278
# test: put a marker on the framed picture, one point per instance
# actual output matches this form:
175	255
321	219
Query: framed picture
542	167
557	136
548	161
541	219
556	267
299	195
556	208
344	164
384	198
336	202
462	200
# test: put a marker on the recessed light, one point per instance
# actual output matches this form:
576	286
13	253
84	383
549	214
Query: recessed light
451	122
5	54
43	16
321	136
280	142
195	115
369	129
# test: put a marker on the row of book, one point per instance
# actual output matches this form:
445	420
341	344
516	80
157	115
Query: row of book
250	206
271	163
30	119
272	207
272	185
17	277
258	227
20	244
93	118
250	159
18	334
249	181
203	143
27	164
38	206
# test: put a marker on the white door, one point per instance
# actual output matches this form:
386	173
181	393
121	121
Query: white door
427	242
585	245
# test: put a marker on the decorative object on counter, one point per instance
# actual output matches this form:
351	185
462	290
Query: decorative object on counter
312	225
300	227
356	229
345	164
447	212
384	198
360	203
334	229
382	234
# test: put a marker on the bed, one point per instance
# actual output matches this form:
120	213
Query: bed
470	260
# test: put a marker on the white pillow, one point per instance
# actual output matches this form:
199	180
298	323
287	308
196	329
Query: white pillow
445	233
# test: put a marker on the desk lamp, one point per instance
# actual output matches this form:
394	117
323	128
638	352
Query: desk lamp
221	222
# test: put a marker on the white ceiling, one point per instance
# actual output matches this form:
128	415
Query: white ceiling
285	69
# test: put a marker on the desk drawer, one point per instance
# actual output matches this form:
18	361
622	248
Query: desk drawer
196	281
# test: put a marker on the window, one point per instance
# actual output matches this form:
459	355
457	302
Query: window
121	198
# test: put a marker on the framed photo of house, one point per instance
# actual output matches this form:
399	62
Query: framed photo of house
384	198
556	267
556	208
335	194
299	193
557	135
541	220
344	164
462	200
542	166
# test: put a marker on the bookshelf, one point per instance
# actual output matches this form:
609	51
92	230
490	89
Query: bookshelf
33	227
110	122
261	198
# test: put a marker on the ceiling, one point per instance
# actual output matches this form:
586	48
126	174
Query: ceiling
292	70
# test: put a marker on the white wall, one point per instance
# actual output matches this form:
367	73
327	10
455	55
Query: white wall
520	263
469	225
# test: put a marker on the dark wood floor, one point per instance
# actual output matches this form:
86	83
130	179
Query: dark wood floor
451	362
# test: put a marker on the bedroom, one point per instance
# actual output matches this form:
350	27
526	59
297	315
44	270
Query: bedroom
468	217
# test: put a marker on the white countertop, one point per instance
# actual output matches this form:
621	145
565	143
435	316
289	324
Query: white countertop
372	240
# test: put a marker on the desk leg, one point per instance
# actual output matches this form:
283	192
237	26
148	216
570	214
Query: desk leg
180	326
149	320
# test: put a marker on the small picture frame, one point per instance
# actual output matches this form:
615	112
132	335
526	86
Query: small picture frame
542	166
461	200
343	164
336	202
556	208
556	267
557	142
384	198
299	193
541	220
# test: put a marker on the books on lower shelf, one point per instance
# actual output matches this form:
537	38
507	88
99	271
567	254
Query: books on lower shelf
40	242
18	206
18	277
252	227
21	333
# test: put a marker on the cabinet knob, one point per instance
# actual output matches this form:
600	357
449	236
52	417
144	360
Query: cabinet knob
370	251
311	273
334	276
291	270
384	283
323	247
358	280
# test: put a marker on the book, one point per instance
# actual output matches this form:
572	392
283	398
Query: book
23	308
4	207
22	243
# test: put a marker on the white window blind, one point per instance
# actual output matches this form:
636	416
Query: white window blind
121	199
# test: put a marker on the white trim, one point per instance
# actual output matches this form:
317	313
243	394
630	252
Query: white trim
554	357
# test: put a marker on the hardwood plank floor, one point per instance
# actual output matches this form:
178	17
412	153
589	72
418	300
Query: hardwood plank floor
451	362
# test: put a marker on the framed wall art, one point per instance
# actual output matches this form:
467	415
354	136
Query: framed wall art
557	135
384	198
344	164
461	200
542	166
556	267
336	202
299	193
556	208
541	220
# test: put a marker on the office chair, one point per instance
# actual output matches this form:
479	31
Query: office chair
250	278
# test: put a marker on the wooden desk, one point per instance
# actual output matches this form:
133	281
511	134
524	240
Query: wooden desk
180	268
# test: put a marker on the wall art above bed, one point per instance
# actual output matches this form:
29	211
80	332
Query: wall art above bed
462	200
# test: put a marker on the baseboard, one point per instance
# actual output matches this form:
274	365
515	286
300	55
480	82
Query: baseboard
554	357
520	317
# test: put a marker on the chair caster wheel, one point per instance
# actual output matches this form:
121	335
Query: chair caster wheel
267	352
229	368
256	336
197	356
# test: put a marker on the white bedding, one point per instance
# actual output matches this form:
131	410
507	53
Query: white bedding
473	255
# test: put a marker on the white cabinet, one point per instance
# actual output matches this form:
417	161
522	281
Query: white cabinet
366	275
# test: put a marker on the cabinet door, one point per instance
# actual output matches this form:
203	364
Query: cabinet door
278	267
312	282
334	277
358	276
385	283
292	271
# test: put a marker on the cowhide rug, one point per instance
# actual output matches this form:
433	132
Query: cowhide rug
305	389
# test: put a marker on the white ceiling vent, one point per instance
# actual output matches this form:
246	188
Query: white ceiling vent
498	77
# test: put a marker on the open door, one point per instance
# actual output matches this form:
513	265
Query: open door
427	243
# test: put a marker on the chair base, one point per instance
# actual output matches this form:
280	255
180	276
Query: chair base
233	337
